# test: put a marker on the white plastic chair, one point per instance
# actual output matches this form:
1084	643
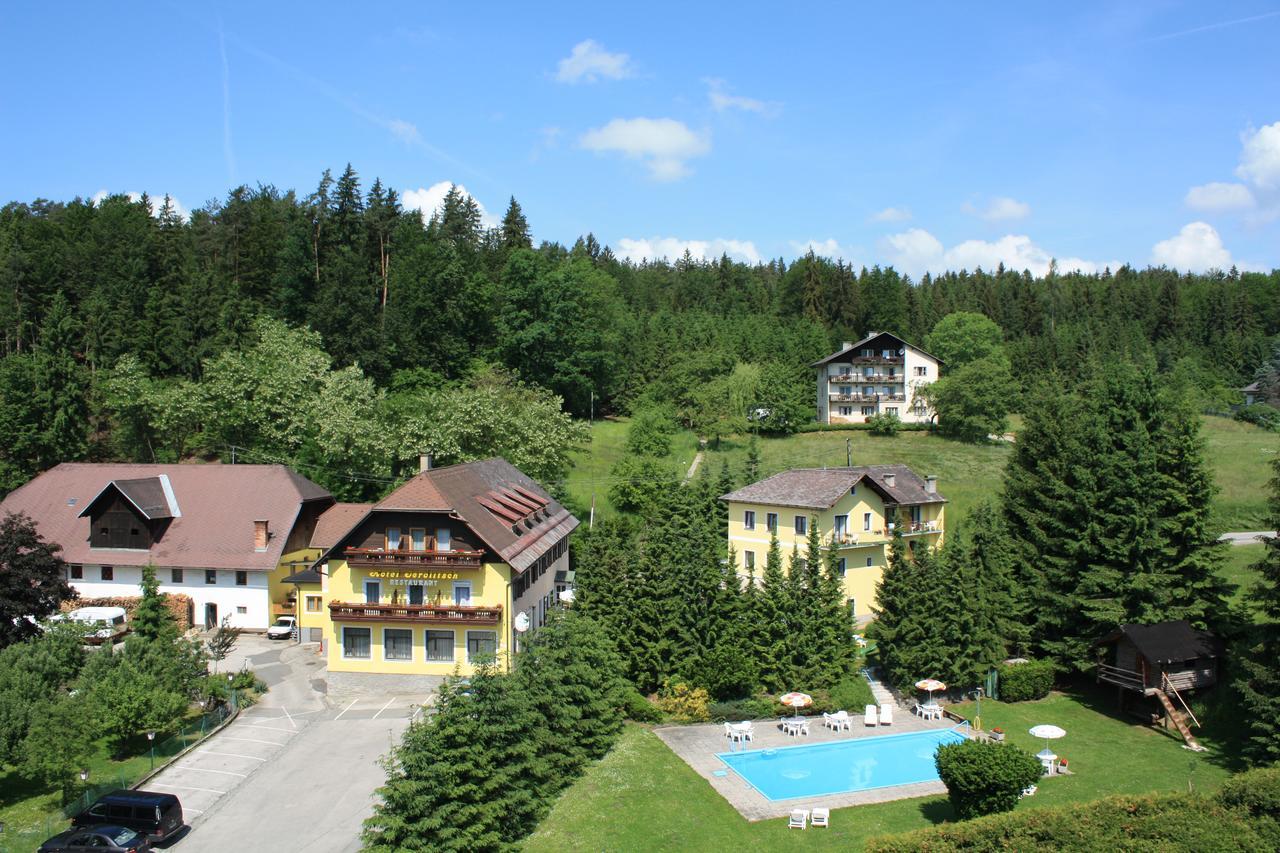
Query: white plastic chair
869	716
822	817
799	819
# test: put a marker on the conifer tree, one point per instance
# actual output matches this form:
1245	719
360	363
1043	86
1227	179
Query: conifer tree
1259	680
982	563
774	606
751	469
515	228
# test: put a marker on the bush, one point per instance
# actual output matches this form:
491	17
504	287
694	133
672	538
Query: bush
751	708
985	778
639	709
853	694
651	432
1020	682
1260	414
684	703
1256	790
726	671
885	423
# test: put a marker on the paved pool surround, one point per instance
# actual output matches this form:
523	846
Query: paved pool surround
699	745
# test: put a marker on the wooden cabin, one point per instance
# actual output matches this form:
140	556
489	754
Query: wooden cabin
1150	658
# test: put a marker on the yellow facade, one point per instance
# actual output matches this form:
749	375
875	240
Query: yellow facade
280	593
489	587
864	545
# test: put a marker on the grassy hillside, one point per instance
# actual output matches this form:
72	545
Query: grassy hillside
1238	454
1237	567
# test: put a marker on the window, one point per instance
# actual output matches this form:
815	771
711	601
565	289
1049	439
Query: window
888	353
108	573
355	642
771	521
481	645
462	593
846	390
175	575
845	411
869	391
749	559
868	562
210	576
802	525
444	539
77	572
868	371
243	611
841	527
416	593
893	410
439	645
841	566
866	521
749	519
242	578
868	410
313	603
915	515
397	644
853	609
372	592
418	538
922	370
393	538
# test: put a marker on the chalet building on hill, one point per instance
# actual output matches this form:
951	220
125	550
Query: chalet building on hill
449	569
223	535
1163	662
880	374
855	509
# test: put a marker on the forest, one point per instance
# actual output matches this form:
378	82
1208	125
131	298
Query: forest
339	332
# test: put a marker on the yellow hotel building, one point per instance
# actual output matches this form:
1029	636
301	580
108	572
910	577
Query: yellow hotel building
449	569
851	505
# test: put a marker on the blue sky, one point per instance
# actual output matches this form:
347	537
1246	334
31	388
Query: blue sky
928	136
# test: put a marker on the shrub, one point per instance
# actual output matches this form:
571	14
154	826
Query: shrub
639	709
651	432
1020	682
684	703
735	710
1260	414
885	423
985	778
726	671
1256	790
852	694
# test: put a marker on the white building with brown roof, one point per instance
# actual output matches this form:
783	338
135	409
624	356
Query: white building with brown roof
222	535
880	374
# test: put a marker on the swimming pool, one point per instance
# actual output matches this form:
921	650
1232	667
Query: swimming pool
841	766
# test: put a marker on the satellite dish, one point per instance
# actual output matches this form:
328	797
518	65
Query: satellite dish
522	622
567	596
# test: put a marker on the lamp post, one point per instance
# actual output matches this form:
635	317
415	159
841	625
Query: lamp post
151	740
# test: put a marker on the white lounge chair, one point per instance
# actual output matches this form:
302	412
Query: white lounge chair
799	819
869	716
1027	791
822	817
886	715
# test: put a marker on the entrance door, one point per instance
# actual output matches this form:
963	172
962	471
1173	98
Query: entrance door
210	616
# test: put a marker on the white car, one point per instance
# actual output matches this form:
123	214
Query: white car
283	628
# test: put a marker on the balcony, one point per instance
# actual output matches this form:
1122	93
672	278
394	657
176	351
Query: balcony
378	558
453	614
877	359
920	527
853	398
858	378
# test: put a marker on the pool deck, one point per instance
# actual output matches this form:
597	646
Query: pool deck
698	746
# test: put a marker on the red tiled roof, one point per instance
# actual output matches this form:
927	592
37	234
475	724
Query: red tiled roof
820	488
217	507
337	522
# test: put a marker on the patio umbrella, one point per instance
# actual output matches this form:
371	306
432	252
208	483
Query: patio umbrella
930	684
1048	733
796	700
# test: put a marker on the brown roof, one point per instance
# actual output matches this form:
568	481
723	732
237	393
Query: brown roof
494	499
1167	642
211	527
820	488
336	522
149	495
871	337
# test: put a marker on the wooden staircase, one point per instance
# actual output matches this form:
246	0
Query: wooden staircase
1179	718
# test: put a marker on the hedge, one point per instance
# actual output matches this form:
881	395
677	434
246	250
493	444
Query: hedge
1020	682
983	777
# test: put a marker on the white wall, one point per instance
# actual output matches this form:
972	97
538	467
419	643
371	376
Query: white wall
254	597
915	359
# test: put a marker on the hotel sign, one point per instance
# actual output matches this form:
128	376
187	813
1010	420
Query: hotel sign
396	577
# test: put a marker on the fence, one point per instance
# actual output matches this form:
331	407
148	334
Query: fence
26	838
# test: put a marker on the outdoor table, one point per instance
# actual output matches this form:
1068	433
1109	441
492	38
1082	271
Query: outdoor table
931	711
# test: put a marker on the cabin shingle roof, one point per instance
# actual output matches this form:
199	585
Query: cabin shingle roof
820	488
1166	642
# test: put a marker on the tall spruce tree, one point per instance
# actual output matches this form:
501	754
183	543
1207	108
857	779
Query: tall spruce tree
1259	679
773	620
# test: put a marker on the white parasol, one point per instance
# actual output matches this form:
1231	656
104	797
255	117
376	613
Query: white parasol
1047	733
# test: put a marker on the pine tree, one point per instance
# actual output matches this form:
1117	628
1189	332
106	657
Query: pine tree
1259	682
515	228
751	470
983	563
61	387
772	620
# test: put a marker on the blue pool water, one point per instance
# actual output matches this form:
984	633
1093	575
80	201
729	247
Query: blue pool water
841	766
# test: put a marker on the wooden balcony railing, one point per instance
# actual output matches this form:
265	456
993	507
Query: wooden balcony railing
413	559
877	359
1126	678
855	378
451	613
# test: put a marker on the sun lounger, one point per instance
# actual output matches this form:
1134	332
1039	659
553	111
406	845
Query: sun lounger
1027	791
869	716
886	715
799	819
821	817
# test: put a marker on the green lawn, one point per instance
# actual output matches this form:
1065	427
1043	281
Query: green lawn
591	465
1237	567
641	796
1240	455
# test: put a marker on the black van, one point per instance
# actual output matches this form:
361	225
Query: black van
158	816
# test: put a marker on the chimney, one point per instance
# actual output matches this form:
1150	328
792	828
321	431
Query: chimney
846	345
889	480
261	534
931	485
426	461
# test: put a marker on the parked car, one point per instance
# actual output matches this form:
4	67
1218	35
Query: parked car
100	838
282	628
106	624
156	815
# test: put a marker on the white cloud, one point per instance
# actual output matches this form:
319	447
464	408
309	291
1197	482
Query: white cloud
156	202
589	62
428	200
891	214
1260	159
673	248
829	248
1196	248
663	144
916	251
405	131
1218	197
722	101
999	209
